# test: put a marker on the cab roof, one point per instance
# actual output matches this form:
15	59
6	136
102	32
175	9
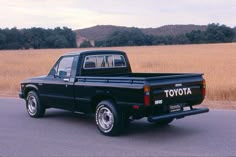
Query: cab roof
91	52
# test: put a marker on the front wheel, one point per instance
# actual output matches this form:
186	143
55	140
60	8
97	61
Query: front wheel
108	118
33	106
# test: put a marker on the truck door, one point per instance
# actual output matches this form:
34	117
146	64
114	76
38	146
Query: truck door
58	87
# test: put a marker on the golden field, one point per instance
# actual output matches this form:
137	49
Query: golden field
216	61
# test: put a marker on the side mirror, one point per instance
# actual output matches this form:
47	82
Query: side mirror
62	73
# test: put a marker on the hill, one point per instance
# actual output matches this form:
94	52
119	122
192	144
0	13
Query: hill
101	32
173	29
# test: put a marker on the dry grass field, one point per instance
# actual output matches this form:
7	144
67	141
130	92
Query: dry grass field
216	61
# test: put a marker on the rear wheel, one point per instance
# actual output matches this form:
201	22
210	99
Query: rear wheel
108	118
34	107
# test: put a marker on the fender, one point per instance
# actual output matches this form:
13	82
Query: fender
30	86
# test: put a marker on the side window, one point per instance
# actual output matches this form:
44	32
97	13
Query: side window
64	67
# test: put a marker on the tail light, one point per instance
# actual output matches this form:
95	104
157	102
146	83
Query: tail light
204	87
146	95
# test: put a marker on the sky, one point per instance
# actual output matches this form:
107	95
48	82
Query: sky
77	14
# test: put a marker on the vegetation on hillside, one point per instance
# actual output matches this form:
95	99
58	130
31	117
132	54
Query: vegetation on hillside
37	38
214	33
102	32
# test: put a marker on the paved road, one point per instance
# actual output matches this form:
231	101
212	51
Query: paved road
62	133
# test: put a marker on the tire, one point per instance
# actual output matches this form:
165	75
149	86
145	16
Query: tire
33	106
109	119
164	122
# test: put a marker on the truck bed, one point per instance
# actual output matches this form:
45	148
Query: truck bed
132	77
159	84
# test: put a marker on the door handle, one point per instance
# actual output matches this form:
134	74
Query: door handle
66	79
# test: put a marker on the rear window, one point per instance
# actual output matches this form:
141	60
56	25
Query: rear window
104	61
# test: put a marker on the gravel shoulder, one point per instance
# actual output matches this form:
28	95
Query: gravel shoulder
227	105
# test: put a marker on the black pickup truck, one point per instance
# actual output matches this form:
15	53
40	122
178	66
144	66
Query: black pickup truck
101	82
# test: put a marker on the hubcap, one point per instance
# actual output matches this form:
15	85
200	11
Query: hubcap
32	105
105	119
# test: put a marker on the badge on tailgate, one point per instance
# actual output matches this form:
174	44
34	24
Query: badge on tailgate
175	108
177	92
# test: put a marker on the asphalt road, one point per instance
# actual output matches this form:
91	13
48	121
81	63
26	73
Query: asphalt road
61	133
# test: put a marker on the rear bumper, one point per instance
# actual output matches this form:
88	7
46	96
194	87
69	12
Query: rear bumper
177	114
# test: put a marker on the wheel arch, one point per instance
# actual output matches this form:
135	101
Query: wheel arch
98	98
29	88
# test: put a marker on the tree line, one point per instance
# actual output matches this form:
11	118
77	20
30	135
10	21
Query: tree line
37	38
215	33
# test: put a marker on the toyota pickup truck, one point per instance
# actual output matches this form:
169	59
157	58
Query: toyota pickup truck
101	82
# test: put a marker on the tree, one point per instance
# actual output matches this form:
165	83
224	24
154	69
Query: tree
181	39
234	29
2	39
37	38
216	33
196	37
131	37
85	44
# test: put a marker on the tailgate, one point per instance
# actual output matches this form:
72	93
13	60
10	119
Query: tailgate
185	90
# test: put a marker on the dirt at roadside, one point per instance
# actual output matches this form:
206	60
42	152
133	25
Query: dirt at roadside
229	105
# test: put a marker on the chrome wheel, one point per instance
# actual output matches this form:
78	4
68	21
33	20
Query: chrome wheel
105	118
32	105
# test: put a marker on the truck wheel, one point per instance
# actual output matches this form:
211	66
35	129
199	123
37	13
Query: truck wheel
108	119
164	122
34	107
